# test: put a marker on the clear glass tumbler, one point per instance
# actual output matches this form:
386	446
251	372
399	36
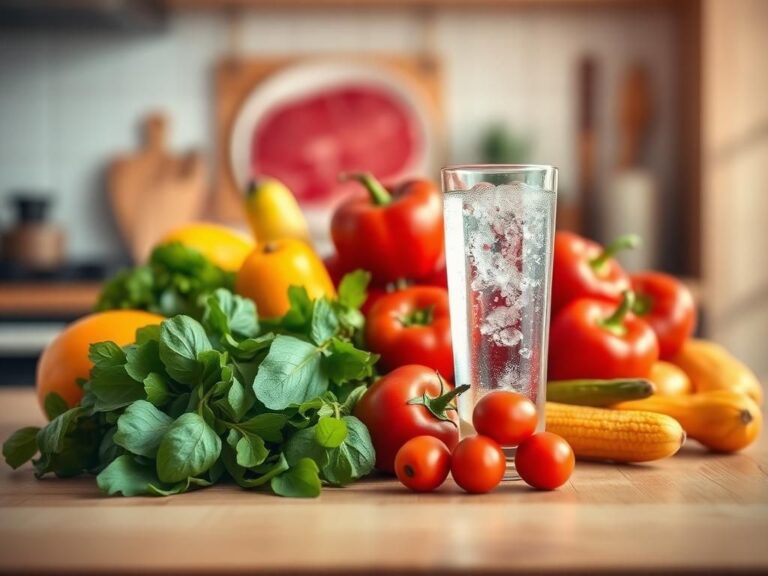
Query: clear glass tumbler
499	234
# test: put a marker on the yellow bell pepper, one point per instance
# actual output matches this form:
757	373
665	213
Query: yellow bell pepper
273	267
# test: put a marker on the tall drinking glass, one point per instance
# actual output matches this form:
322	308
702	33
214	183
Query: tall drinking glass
499	233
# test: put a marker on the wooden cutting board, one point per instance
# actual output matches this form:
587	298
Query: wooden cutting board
153	190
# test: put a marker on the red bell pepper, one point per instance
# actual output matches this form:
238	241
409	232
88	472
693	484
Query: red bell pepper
667	305
412	326
594	339
395	236
583	269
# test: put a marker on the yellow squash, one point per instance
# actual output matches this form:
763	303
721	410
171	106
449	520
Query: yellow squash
603	434
274	267
712	367
723	421
669	380
273	212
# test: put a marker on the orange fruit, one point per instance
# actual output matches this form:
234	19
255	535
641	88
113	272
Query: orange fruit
225	247
65	358
273	267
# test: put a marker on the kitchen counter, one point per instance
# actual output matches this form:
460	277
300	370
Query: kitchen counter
694	512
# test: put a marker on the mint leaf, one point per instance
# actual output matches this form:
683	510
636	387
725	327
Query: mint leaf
143	359
54	405
290	374
141	428
268	426
247	349
324	324
353	288
182	339
156	389
113	388
302	480
21	446
189	448
227	313
345	363
330	432
126	476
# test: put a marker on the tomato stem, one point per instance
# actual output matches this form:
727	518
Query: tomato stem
378	193
626	242
440	405
615	322
419	317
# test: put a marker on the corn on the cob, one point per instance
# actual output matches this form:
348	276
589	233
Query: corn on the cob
602	434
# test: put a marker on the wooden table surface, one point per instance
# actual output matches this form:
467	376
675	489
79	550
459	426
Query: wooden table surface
690	513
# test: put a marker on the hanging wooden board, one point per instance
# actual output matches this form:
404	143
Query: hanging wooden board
304	119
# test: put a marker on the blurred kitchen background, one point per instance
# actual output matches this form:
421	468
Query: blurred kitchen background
655	112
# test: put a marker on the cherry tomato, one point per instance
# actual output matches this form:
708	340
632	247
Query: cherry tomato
545	461
422	464
507	417
478	464
408	402
667	305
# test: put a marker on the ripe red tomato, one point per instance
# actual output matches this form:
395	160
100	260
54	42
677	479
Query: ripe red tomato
392	420
478	464
422	464
507	417
412	326
667	305
545	461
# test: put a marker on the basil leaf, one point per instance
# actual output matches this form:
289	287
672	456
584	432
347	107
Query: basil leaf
299	315
211	363
251	451
268	426
50	439
106	355
156	389
182	339
236	402
227	313
255	477
354	458
330	432
141	428
54	405
114	388
353	288
352	399
325	324
21	446
290	374
189	448
148	333
345	363
126	476
143	359
302	480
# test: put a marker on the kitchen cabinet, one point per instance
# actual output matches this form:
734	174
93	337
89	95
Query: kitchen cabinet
696	512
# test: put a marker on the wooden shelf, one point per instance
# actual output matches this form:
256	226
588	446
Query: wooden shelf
469	4
41	299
